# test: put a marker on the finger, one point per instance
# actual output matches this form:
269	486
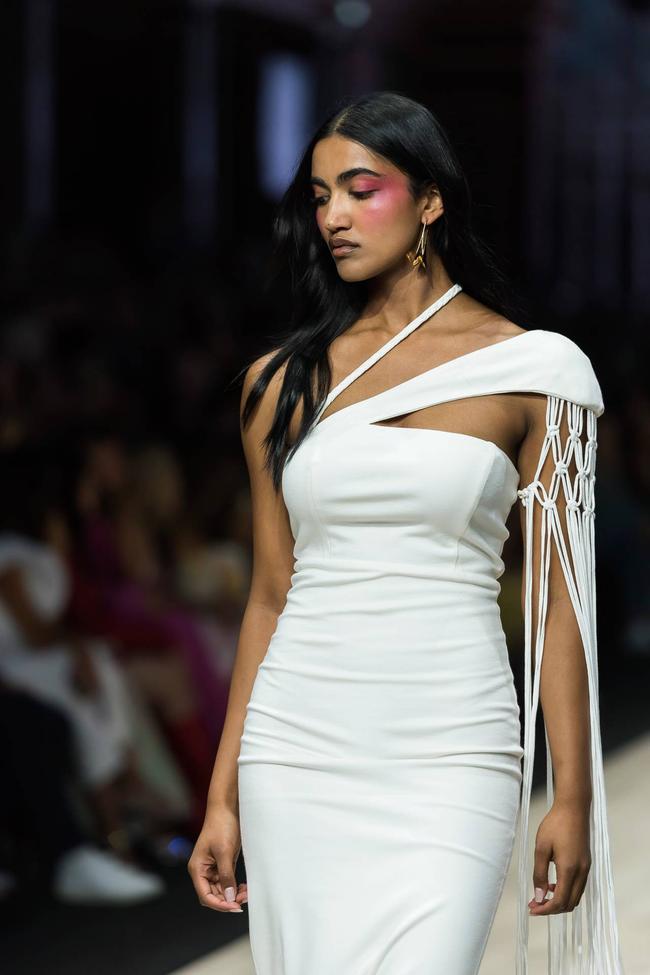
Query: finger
540	873
206	884
209	897
206	895
227	882
532	904
241	888
559	903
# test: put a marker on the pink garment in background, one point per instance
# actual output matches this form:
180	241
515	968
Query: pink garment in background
107	602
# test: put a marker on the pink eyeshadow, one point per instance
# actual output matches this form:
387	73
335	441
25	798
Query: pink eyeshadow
363	185
391	187
376	208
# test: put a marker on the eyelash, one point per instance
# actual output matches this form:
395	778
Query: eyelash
359	194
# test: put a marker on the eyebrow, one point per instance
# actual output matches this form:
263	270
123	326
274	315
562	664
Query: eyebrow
345	176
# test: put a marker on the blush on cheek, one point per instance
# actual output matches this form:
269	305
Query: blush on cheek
385	204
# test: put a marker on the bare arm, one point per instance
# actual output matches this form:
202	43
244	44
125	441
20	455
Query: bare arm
273	564
564	694
563	835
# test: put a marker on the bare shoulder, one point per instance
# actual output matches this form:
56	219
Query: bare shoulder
258	365
484	324
265	407
497	328
506	329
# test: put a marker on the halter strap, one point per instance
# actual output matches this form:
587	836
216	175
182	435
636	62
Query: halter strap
392	342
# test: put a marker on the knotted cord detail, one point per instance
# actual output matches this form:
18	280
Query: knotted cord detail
585	940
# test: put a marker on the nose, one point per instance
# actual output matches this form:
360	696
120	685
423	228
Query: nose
337	218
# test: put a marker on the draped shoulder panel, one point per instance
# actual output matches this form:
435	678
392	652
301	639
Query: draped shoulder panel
564	370
560	512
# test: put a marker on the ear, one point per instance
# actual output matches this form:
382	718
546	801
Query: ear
433	205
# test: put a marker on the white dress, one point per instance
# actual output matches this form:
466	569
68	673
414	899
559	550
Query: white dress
380	779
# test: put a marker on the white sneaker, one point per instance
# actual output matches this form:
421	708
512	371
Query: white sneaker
89	875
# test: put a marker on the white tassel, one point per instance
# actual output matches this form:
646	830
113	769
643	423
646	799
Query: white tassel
591	947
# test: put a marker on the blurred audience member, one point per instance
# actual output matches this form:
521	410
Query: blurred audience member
42	652
38	766
123	584
213	567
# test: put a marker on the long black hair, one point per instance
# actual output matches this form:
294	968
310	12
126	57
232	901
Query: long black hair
323	305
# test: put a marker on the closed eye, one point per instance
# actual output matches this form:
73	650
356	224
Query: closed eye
358	194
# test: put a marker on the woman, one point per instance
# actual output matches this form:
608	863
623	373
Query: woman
370	762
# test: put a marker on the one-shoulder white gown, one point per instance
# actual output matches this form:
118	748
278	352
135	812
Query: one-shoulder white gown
380	765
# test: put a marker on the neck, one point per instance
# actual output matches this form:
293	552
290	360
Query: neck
400	295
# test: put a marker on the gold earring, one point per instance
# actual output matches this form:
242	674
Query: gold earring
420	250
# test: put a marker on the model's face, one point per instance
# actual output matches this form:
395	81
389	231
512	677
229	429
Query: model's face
364	198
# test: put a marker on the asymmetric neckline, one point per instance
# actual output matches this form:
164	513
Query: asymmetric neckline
393	341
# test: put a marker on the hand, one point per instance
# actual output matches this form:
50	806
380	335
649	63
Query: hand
563	837
213	861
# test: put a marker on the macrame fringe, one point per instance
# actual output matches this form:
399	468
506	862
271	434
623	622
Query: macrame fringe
583	941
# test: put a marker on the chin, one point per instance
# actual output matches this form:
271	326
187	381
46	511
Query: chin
352	275
354	271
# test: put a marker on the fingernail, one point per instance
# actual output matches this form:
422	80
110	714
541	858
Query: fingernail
539	895
237	910
230	893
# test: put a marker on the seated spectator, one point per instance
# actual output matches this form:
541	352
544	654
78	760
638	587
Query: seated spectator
37	765
43	655
122	590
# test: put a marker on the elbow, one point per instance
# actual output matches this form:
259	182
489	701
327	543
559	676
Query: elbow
268	601
269	589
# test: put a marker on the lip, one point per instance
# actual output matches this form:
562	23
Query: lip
340	246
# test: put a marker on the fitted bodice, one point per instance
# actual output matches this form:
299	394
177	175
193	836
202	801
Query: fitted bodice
386	495
357	490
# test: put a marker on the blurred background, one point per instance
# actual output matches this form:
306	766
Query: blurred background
144	147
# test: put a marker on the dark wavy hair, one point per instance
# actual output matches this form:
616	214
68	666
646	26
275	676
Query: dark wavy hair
323	305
